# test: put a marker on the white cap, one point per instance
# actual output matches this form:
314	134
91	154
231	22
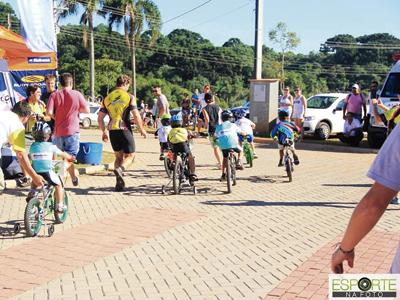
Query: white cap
355	86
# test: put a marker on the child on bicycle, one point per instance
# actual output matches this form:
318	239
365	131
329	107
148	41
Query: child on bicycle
163	132
42	154
247	127
284	132
178	137
228	140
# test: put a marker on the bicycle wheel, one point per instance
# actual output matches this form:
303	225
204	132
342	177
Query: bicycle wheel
228	175
33	217
288	168
176	175
167	166
248	154
233	169
61	217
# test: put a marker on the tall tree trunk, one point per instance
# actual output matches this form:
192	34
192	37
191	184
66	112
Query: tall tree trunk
283	72
92	74
133	61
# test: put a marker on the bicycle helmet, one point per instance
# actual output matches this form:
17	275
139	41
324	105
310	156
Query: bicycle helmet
283	113
166	120
176	121
226	115
240	113
41	131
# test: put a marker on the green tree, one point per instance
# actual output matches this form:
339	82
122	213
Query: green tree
86	20
8	17
285	40
138	14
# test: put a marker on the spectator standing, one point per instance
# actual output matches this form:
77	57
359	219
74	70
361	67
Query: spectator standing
50	81
386	174
64	107
161	104
202	102
12	131
286	101
212	116
37	106
186	110
355	103
299	109
119	105
373	89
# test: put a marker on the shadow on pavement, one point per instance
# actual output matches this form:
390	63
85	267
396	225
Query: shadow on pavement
361	185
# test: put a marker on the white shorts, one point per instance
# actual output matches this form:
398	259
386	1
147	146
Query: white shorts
281	147
298	116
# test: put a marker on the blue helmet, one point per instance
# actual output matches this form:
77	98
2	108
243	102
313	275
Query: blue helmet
283	113
176	120
240	113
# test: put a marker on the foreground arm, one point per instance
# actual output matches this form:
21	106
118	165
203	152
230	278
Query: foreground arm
365	216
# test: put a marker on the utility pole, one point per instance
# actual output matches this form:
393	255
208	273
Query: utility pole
258	39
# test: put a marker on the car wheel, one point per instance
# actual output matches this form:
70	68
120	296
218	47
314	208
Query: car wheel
323	131
86	123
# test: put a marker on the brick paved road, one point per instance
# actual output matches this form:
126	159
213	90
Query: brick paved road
213	245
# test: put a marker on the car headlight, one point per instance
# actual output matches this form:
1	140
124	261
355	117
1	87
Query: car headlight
310	118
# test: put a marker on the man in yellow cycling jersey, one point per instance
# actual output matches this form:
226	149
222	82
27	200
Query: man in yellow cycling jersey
12	131
119	105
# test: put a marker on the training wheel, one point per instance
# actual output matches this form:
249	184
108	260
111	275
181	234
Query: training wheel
163	190
194	190
50	230
17	228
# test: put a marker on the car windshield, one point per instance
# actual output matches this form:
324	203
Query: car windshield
93	109
320	102
392	86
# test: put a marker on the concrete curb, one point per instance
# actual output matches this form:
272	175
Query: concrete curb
94	169
309	145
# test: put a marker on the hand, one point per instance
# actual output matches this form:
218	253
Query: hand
70	158
37	180
338	257
143	133
104	137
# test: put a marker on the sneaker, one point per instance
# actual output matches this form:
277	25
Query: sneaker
193	177
75	181
239	165
280	164
296	159
395	200
60	208
23	182
255	155
120	185
223	177
31	195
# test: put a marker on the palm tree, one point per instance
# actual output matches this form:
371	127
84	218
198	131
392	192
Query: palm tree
135	15
90	7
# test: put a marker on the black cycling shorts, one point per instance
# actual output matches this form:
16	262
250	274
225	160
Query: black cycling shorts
181	148
225	152
122	140
51	178
164	146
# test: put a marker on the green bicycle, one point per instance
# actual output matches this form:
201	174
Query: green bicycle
247	151
40	207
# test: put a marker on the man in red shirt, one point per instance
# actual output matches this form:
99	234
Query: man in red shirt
64	107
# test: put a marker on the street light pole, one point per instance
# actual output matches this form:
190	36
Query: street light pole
258	40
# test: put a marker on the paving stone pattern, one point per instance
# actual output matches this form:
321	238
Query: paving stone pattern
237	246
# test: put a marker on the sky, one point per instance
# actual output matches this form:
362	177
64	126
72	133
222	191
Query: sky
314	21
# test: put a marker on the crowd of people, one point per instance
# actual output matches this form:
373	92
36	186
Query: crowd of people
52	119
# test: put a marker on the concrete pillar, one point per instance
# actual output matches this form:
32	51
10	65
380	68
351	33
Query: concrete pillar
264	104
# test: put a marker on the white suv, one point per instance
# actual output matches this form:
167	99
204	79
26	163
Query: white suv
324	114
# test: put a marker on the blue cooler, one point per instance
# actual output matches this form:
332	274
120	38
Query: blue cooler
90	153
